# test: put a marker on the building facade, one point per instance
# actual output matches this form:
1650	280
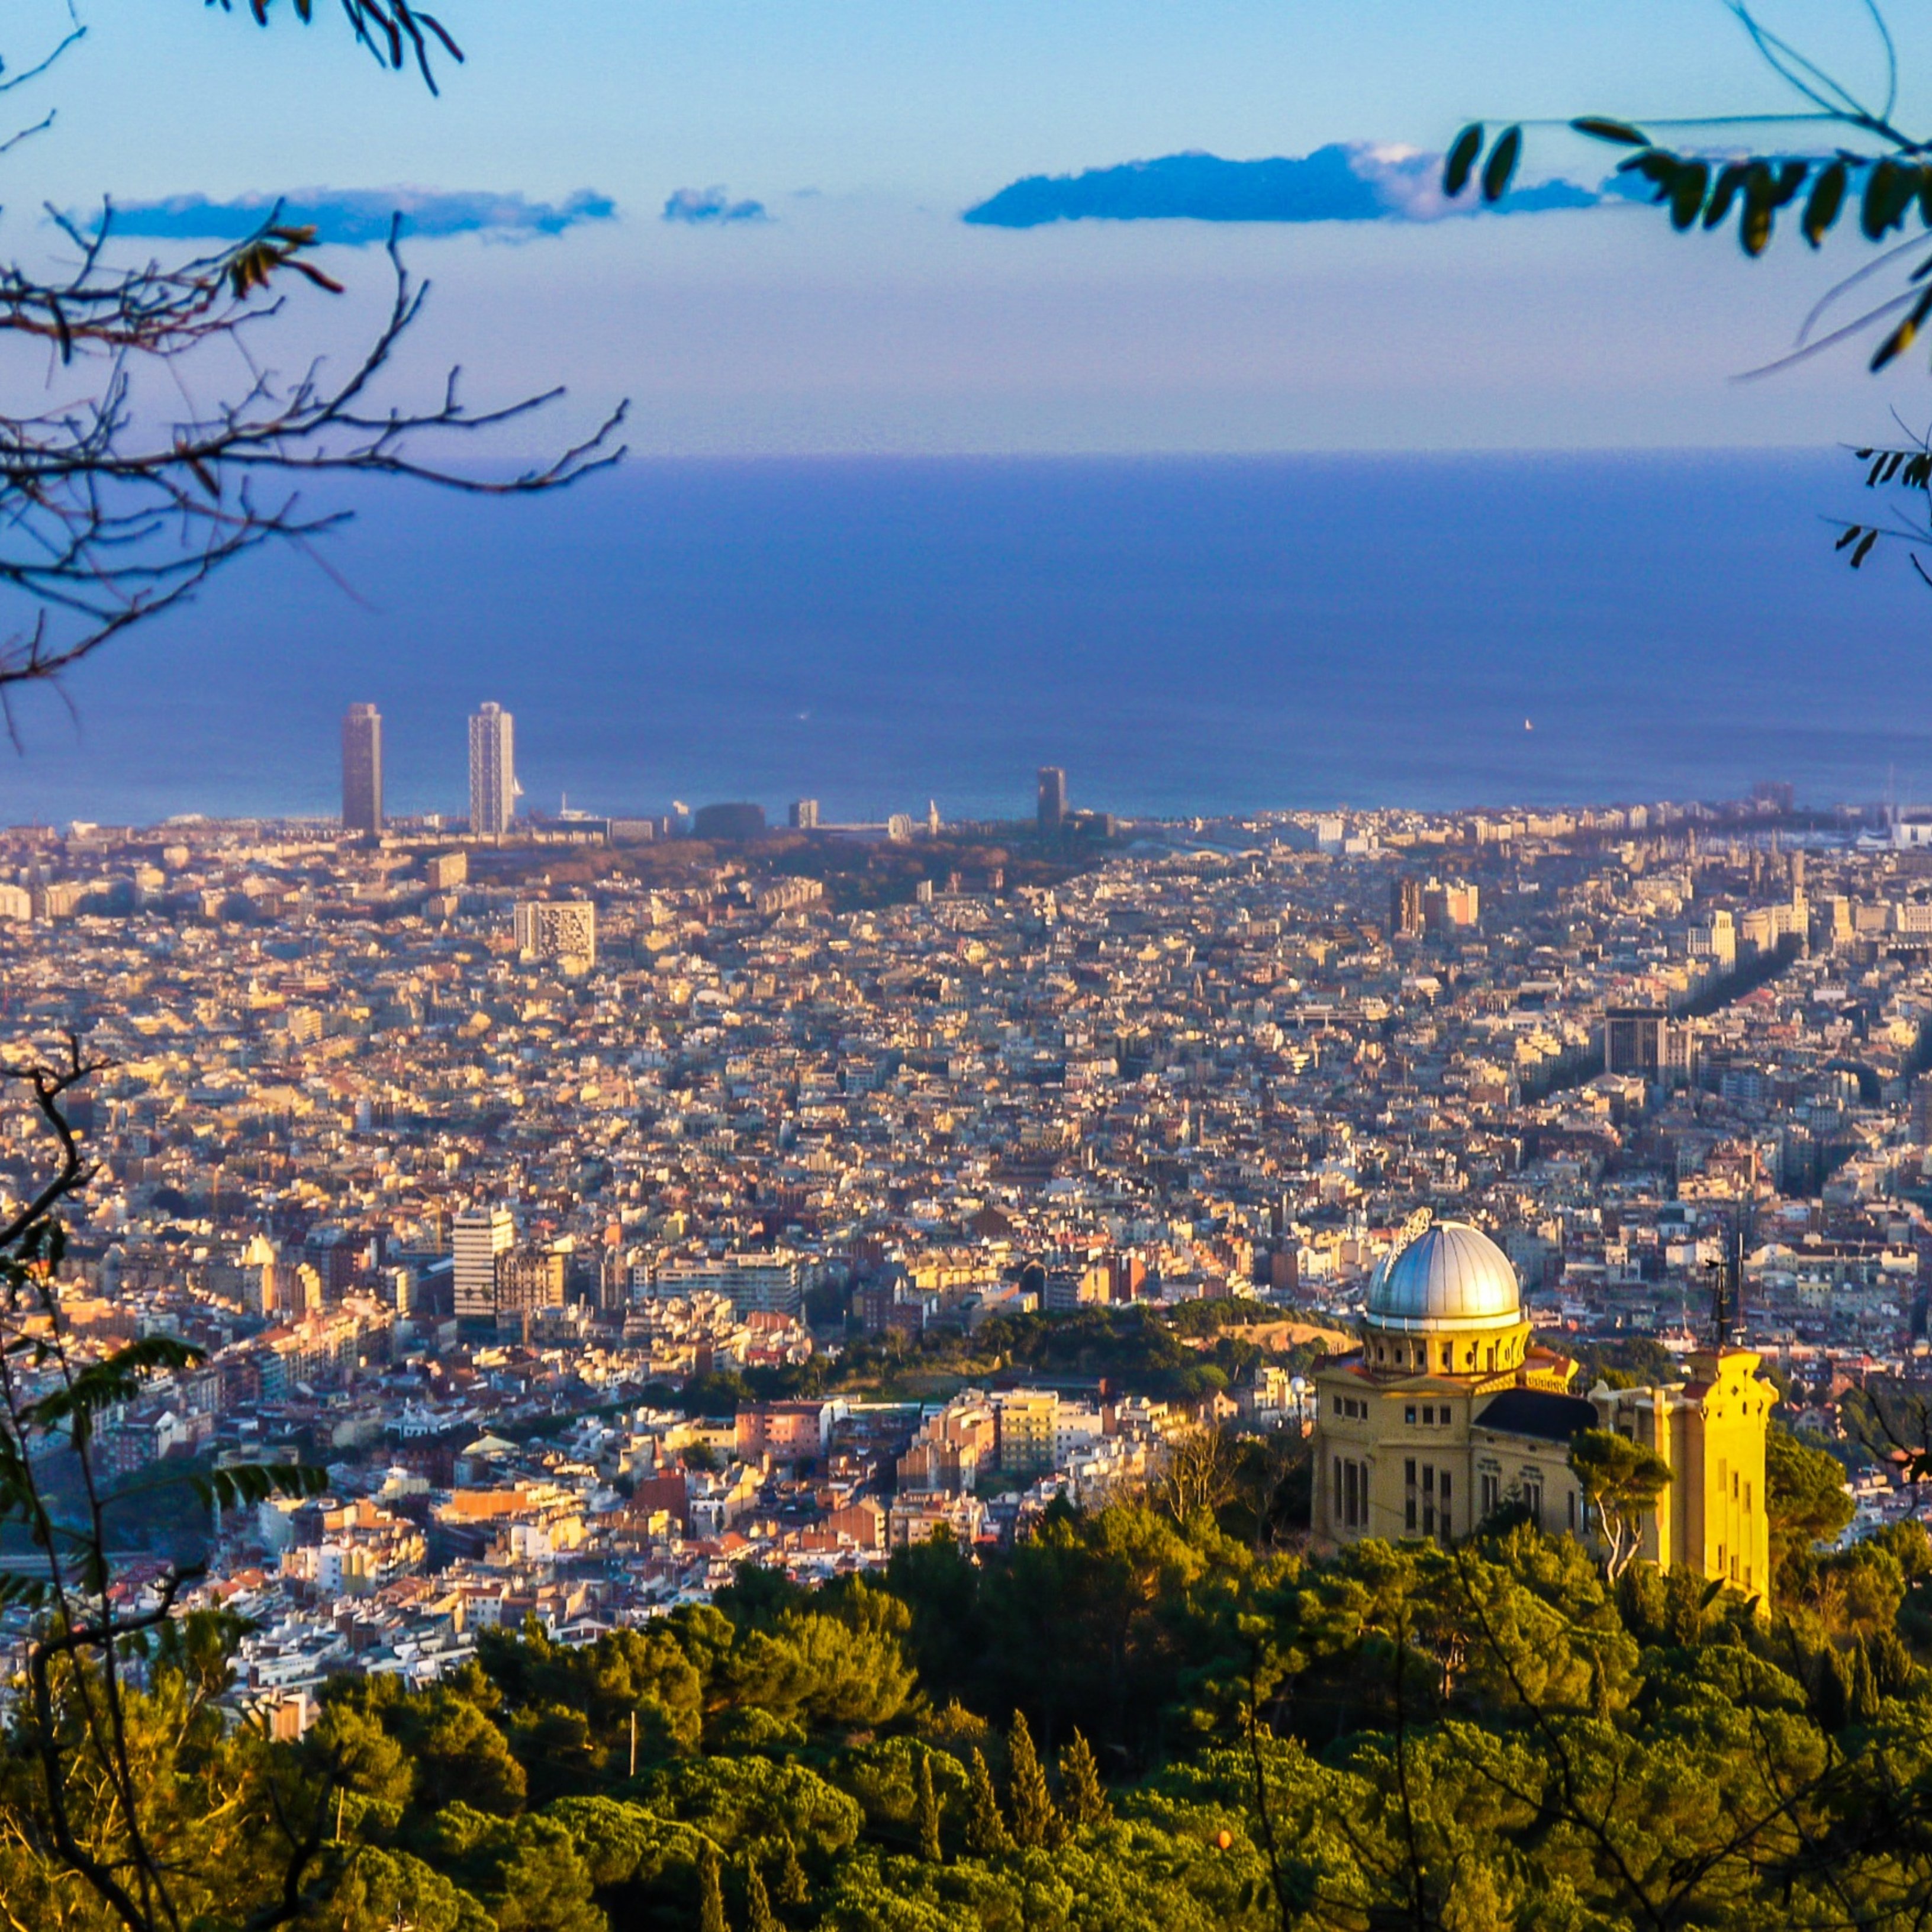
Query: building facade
478	1235
1051	808
492	772
565	930
1451	1411
362	770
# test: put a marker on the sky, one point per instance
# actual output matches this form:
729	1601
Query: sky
747	216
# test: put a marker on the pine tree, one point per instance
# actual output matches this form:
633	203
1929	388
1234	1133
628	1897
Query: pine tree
1036	1822
929	1847
1833	1695
986	1832
711	1892
793	1889
1082	1797
1862	1706
758	1915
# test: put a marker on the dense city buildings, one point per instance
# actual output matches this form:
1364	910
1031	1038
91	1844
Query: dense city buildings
600	1210
362	769
492	772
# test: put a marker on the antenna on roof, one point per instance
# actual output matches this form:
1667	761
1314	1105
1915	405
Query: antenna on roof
1727	1281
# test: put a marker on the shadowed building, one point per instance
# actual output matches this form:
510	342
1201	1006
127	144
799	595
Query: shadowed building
1450	1411
492	772
362	770
1052	801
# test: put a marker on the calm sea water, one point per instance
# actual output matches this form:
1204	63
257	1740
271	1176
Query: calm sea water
1183	636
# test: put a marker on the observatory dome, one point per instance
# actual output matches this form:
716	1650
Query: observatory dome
1451	1280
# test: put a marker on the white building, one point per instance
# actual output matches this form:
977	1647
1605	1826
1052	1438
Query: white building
492	772
480	1235
565	930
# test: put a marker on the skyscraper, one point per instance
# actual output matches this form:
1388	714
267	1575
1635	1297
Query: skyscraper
1052	801
492	772
479	1235
362	769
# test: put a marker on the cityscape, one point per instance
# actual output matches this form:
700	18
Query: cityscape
965	970
605	1204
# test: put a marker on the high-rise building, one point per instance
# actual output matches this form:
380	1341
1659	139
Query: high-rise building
362	769
561	929
1646	1042
492	772
1052	801
478	1236
805	815
1405	909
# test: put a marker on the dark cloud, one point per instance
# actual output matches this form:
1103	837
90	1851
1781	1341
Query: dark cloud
355	216
1356	182
701	205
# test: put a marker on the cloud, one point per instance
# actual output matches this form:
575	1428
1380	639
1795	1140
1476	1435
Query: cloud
1355	181
354	217
703	206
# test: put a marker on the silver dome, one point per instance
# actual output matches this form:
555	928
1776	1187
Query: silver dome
1451	1278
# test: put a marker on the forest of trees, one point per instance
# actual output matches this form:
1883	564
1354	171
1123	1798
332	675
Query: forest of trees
1144	1716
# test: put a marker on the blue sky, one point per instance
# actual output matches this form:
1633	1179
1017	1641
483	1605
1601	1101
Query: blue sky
861	313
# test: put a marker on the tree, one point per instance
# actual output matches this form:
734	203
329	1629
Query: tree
1872	164
758	1917
986	1833
109	515
1082	1797
711	1891
929	1846
1036	1823
1805	1495
1621	1480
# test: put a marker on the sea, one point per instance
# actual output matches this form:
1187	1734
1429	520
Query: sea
1185	636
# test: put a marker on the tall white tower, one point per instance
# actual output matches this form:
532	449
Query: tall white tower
492	772
479	1235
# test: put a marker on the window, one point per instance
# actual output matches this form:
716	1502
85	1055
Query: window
1448	1355
1409	1512
1492	1495
1429	1416
1409	1473
1532	1499
1489	1356
1428	1482
1409	1413
1337	1511
1570	1499
1442	1497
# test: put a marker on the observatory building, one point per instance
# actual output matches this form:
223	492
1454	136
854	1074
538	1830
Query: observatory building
1450	1411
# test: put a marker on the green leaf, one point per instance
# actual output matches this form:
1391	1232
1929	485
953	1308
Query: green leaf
1730	178
1827	198
1864	550
1890	189
1895	344
1849	534
116	1378
1620	132
1687	194
1500	168
1463	153
243	1485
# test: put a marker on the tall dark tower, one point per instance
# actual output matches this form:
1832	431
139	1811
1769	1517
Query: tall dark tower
362	770
1052	801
